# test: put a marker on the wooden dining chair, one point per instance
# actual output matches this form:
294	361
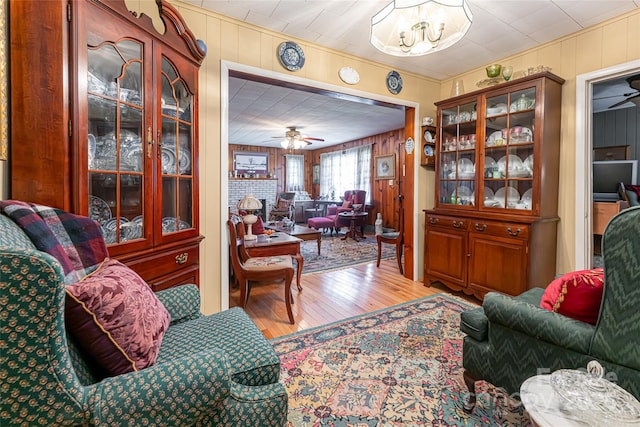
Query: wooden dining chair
394	238
247	269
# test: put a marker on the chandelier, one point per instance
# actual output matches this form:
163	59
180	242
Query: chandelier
419	27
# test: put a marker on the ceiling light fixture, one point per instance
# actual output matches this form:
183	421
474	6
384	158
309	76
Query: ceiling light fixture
419	27
293	140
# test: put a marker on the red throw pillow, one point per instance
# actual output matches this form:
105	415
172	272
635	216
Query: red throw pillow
116	318
258	227
346	204
577	295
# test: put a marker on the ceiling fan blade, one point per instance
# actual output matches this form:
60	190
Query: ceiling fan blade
306	138
624	101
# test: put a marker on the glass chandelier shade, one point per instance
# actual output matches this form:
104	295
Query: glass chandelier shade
293	143
419	27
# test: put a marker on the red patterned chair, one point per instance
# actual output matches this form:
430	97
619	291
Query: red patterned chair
332	221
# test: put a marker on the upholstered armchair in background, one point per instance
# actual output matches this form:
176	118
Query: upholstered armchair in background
284	208
510	339
351	197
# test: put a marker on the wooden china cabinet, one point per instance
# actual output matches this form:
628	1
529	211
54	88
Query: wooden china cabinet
494	224
104	117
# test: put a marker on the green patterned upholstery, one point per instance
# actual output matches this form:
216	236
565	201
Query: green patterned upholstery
211	370
511	339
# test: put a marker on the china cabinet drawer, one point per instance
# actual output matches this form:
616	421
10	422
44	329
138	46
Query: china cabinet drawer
162	263
188	276
501	229
448	221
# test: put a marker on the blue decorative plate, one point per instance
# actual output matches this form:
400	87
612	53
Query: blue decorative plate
394	82
291	56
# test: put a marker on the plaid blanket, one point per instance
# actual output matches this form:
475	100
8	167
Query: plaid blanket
75	241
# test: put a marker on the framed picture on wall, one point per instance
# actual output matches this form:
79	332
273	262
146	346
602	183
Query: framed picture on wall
316	174
385	167
250	162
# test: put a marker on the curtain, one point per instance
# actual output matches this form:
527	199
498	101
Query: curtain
294	164
345	170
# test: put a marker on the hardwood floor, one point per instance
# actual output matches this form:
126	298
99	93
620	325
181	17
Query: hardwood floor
328	297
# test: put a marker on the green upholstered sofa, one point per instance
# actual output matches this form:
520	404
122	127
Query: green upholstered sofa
511	339
210	370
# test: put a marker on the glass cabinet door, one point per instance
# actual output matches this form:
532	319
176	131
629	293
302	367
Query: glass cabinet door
509	151
115	149
457	162
176	151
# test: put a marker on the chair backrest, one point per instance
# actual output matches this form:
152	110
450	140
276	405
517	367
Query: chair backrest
359	196
287	195
40	373
617	336
236	244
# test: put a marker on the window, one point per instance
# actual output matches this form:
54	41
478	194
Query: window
295	172
341	171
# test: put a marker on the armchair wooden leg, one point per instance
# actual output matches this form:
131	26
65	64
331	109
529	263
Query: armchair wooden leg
379	251
470	381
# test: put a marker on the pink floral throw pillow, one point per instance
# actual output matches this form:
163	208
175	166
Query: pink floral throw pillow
116	318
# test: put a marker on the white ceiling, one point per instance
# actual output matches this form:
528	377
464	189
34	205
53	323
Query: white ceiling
258	112
499	29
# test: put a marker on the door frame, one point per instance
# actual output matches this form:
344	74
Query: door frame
583	151
225	68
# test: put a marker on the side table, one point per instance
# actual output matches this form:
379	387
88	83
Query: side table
543	406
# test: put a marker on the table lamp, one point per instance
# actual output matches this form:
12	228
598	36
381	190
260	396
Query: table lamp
249	204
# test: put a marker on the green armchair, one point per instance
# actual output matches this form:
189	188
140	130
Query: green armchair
210	370
510	339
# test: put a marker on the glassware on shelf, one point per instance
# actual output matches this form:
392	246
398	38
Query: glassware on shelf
457	88
507	72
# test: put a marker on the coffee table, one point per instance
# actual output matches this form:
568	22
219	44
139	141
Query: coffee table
299	231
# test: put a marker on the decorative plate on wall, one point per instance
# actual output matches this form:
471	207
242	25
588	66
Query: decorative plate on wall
394	82
349	75
291	56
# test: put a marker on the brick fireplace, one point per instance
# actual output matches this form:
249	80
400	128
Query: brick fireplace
262	189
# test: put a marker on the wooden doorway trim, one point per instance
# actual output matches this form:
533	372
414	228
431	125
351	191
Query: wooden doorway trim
228	68
406	190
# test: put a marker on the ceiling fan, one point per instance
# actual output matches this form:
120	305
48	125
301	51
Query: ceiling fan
293	139
634	83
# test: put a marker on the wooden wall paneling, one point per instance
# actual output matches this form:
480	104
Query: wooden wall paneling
383	197
618	127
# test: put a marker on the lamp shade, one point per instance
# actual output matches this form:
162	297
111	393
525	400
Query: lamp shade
419	27
249	203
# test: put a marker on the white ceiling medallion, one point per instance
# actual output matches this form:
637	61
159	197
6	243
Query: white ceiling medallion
349	75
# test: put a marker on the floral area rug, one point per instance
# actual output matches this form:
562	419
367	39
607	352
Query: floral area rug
336	253
400	366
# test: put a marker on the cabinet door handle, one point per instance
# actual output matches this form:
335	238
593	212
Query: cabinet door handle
457	224
182	258
513	233
480	227
149	141
433	220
